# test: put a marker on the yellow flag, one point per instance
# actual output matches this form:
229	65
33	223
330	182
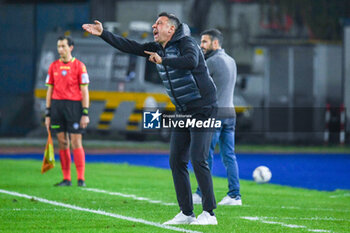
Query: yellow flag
49	155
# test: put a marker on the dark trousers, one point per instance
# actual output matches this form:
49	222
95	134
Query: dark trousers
192	143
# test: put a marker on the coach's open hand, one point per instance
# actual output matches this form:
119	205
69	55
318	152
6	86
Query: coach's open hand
154	57
94	29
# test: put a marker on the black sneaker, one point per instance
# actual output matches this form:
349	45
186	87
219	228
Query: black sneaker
64	183
81	183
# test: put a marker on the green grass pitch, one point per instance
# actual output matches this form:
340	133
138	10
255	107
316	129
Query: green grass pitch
266	208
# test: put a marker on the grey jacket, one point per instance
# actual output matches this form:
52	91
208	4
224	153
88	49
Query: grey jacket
223	70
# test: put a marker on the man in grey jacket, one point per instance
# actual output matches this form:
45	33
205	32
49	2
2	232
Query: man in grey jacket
223	70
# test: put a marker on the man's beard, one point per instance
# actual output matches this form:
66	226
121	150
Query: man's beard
207	53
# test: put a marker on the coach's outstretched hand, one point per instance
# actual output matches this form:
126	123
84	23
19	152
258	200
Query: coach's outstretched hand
94	29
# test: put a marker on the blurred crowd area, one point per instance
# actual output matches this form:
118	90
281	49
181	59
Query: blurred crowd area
293	60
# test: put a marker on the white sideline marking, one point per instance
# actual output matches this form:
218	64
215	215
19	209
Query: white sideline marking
309	219
129	195
171	204
294	208
314	209
316	230
34	209
340	195
261	219
131	219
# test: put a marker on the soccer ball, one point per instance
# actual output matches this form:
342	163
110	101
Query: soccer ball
262	174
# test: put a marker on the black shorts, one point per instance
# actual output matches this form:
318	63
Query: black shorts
65	116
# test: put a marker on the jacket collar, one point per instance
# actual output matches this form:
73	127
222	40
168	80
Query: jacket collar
213	52
182	31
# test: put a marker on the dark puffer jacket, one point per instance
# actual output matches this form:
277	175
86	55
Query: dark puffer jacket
183	71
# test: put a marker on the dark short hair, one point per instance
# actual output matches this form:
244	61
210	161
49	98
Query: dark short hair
172	18
214	34
68	38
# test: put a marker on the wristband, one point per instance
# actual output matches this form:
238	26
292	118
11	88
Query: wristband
85	111
48	112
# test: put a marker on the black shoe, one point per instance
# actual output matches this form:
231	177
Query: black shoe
64	183
81	183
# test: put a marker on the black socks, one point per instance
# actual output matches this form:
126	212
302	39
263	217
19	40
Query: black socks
188	213
211	212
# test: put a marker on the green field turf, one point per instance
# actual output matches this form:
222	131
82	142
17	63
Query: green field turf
270	208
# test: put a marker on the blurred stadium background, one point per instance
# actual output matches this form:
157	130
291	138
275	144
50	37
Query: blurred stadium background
292	98
293	62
